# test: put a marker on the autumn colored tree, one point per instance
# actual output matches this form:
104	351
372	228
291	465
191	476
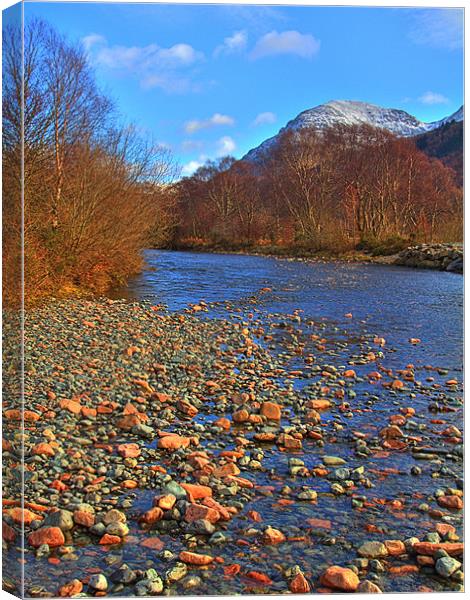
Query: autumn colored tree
318	190
95	192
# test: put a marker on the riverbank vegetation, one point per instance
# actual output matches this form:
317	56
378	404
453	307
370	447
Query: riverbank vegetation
95	192
349	188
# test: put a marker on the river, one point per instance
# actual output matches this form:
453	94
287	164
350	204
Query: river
397	302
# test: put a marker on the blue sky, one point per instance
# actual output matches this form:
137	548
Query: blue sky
214	80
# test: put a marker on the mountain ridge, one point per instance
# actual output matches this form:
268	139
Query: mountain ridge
352	112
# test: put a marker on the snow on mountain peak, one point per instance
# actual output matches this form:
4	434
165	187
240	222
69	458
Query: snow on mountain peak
350	112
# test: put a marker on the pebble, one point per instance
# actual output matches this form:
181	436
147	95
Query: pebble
447	565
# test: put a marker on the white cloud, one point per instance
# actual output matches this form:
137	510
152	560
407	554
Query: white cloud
214	121
433	98
91	40
286	42
190	167
438	27
226	145
152	65
232	44
264	118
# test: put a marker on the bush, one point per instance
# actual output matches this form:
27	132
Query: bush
383	247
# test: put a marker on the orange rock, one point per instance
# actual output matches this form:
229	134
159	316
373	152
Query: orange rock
397	384
165	502
154	543
397	420
223	423
254	516
312	416
52	536
152	516
340	578
271	411
241	416
84	518
349	373
19	515
232	570
71	589
289	442
224	513
319	523
58	485
227	469
425	561
187	408
259	577
392	432
108	539
395	547
71	405
144	385
403	570
299	585
194	512
128	422
43	449
241	481
394	444
196	492
444	528
173	442
265	437
130	409
129	450
14	414
8	533
319	404
129	484
428	548
191	558
453	502
88	412
273	536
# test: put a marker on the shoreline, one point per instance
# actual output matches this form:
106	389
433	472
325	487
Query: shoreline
353	257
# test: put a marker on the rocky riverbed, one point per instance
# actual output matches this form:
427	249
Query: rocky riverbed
172	453
444	257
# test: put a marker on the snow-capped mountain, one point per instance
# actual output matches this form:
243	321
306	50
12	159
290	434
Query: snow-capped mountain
456	116
349	112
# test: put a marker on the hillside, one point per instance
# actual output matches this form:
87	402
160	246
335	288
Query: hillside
445	143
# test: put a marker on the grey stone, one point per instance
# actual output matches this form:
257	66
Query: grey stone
447	565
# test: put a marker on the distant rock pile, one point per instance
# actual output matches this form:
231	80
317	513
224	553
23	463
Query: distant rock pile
445	257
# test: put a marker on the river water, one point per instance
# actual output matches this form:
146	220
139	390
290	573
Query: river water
398	303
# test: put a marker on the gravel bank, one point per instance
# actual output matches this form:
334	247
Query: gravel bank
170	453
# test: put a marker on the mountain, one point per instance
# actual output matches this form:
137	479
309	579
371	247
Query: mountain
349	112
446	143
